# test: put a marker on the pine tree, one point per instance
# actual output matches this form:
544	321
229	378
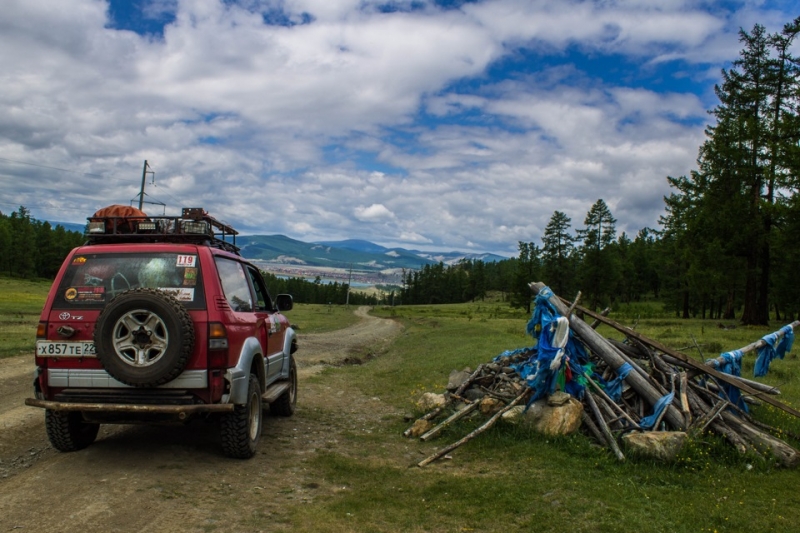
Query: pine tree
558	254
599	267
528	265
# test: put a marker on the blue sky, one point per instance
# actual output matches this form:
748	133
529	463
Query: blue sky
436	125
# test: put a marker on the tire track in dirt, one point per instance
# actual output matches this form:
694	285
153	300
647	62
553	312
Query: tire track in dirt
174	478
356	343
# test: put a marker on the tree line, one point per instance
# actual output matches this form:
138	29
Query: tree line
30	248
317	292
591	259
726	247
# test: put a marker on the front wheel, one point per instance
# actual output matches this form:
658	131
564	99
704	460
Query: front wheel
241	429
67	431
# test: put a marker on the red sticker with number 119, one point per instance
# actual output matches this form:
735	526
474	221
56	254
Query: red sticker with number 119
186	260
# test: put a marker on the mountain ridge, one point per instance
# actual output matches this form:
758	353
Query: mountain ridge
355	253
359	254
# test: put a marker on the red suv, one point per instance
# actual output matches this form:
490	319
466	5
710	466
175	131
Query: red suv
160	319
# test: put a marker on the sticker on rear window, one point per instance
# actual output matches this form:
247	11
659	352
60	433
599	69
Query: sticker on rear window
79	260
85	294
186	260
180	293
190	277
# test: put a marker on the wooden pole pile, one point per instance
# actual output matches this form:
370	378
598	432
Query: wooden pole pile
699	401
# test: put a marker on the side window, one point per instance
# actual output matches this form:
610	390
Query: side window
234	284
263	302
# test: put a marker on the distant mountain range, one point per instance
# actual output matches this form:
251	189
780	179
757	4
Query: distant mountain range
360	254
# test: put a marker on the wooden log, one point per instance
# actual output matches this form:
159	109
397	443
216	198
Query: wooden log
757	385
625	353
574	303
727	378
785	454
683	384
593	429
605	396
489	423
602	348
760	343
457	394
610	440
718	426
452	418
661	415
737	429
604	312
704	421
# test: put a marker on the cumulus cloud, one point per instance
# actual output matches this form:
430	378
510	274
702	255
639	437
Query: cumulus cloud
373	212
461	126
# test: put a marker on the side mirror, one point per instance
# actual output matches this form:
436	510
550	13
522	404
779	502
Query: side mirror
284	302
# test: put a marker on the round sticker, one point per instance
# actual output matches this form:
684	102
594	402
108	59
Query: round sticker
71	293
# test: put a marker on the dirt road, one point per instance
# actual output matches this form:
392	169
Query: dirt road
174	478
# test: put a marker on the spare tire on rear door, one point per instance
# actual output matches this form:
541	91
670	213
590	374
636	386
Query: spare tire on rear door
144	337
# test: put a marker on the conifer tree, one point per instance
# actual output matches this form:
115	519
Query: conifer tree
558	254
599	267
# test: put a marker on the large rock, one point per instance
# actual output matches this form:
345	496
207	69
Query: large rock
474	394
430	401
514	415
457	378
558	398
490	406
663	445
564	418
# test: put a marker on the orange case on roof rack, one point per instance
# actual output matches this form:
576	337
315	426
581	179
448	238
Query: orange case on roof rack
120	223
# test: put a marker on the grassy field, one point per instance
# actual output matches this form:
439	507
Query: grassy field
512	479
318	318
21	303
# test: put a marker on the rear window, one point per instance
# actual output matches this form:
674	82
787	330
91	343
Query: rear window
92	280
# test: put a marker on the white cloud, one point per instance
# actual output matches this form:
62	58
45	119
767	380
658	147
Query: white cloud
420	126
373	212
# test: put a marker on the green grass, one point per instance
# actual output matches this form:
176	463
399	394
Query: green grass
512	479
318	318
21	303
508	479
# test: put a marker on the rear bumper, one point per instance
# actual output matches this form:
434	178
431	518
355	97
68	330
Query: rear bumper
180	411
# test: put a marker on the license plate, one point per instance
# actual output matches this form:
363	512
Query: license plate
65	349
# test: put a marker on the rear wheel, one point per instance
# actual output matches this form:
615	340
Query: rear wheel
286	403
241	429
67	431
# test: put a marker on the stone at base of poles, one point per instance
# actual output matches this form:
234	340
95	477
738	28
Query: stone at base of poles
560	414
419	428
431	400
661	445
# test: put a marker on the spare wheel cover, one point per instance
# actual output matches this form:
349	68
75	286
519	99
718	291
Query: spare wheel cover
144	337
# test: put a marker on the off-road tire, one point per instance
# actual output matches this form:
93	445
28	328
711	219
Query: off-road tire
67	431
241	429
287	402
168	325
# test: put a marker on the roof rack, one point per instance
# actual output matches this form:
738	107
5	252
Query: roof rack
194	225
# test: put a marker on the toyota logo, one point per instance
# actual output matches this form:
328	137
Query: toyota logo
64	316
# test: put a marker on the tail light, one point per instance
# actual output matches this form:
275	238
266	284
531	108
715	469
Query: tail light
41	330
217	345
